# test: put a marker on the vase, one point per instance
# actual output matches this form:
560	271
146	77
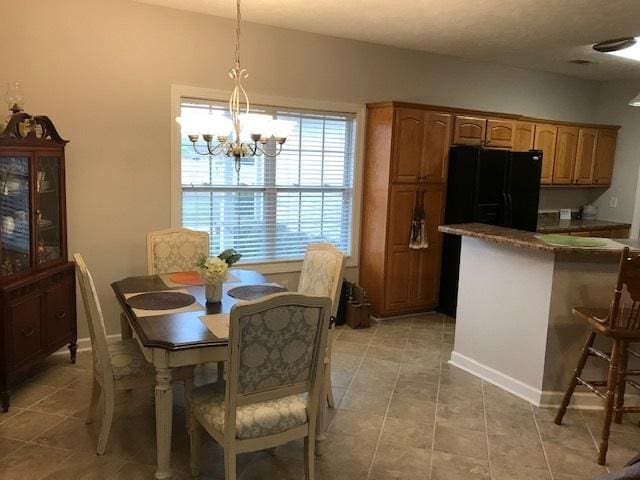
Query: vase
213	292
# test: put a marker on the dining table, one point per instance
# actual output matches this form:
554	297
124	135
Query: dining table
171	341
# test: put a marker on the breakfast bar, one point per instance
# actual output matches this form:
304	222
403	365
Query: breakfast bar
514	325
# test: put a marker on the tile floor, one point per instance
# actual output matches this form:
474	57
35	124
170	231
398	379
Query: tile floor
402	413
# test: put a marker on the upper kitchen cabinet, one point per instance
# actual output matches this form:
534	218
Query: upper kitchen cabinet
437	139
500	133
585	157
523	136
565	159
545	140
469	130
605	153
409	127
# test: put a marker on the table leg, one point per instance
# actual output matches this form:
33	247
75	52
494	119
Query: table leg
125	328
164	416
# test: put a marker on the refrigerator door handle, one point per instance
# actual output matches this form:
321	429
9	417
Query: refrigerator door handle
510	209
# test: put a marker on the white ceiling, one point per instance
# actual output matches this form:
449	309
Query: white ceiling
534	34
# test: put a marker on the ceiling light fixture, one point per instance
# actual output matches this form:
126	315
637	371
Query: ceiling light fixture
260	128
621	47
635	101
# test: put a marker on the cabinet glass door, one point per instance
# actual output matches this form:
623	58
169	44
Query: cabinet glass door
48	213
15	235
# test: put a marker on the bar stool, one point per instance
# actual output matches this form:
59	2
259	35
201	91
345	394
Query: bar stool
621	323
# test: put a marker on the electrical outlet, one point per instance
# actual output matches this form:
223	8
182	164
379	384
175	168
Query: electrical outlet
613	202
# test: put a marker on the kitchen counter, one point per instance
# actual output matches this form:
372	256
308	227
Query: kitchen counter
551	224
528	240
514	324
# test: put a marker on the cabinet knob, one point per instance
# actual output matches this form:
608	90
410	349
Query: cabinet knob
61	315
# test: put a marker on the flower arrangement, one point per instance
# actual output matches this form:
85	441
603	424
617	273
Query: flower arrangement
214	269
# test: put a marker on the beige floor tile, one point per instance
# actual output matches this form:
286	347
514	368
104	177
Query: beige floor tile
457	441
517	451
400	462
410	433
460	416
505	423
64	402
71	434
350	348
454	467
85	466
32	463
413	387
59	376
362	337
8	446
413	408
346	456
29	393
13	411
28	425
353	423
134	471
383	352
511	472
372	403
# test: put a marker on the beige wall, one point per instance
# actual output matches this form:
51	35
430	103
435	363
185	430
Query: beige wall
103	69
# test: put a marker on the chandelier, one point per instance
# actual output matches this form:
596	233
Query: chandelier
216	127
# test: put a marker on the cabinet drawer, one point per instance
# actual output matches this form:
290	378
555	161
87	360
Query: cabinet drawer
25	329
59	304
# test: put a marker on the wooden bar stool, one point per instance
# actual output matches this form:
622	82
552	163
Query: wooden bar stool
621	323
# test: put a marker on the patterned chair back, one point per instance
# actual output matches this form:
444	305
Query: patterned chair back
95	320
276	350
322	271
175	250
625	315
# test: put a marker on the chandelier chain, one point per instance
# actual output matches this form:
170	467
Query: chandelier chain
238	18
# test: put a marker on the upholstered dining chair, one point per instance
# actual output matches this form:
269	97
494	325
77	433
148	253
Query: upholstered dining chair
274	380
175	250
116	365
321	275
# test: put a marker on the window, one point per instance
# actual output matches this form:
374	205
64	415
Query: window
274	207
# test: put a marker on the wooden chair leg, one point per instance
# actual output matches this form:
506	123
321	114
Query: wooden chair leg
194	443
220	372
95	401
327	382
608	412
229	463
309	457
622	381
107	418
574	379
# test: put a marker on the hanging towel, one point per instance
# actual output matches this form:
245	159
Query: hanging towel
419	238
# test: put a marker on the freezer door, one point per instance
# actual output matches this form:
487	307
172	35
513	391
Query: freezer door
490	197
523	189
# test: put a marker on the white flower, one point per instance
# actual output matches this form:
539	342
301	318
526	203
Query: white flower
214	270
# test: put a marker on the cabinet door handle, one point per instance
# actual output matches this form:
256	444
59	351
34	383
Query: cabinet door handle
61	315
28	332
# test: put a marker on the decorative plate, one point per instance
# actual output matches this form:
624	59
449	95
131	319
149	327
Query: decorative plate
187	278
253	292
572	241
160	300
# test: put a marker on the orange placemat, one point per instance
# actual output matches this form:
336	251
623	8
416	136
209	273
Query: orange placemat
187	278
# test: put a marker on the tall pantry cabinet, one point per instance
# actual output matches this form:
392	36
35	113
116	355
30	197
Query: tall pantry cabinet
405	168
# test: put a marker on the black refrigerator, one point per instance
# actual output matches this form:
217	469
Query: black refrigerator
498	187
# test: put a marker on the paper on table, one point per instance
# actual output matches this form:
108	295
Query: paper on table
217	323
194	307
609	244
166	278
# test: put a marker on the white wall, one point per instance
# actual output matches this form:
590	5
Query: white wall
103	70
613	108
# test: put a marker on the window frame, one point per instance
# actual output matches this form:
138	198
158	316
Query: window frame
178	92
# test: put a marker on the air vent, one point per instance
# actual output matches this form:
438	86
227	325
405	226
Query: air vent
581	61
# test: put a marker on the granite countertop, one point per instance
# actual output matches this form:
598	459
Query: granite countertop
553	224
523	239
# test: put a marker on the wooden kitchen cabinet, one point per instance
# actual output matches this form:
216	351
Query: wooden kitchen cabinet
436	143
604	156
585	156
545	140
408	145
523	136
469	130
500	133
565	158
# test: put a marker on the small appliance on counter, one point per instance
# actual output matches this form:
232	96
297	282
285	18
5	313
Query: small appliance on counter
589	212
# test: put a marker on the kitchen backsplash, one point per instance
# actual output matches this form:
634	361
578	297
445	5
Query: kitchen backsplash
574	198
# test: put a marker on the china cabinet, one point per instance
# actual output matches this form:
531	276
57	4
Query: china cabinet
37	282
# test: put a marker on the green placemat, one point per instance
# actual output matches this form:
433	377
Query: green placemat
571	241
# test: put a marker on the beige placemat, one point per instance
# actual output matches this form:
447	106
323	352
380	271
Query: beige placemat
217	323
166	278
194	307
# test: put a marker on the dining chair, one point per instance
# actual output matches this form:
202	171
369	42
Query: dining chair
274	380
175	250
116	365
321	275
621	324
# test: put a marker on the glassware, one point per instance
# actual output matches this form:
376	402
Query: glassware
14	96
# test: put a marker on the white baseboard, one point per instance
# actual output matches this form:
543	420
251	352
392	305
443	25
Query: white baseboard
539	398
499	379
84	344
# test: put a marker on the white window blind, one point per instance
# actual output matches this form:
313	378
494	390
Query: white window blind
276	206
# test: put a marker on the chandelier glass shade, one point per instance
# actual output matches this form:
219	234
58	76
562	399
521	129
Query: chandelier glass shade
242	134
635	101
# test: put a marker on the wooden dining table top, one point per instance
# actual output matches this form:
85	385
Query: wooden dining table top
185	330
